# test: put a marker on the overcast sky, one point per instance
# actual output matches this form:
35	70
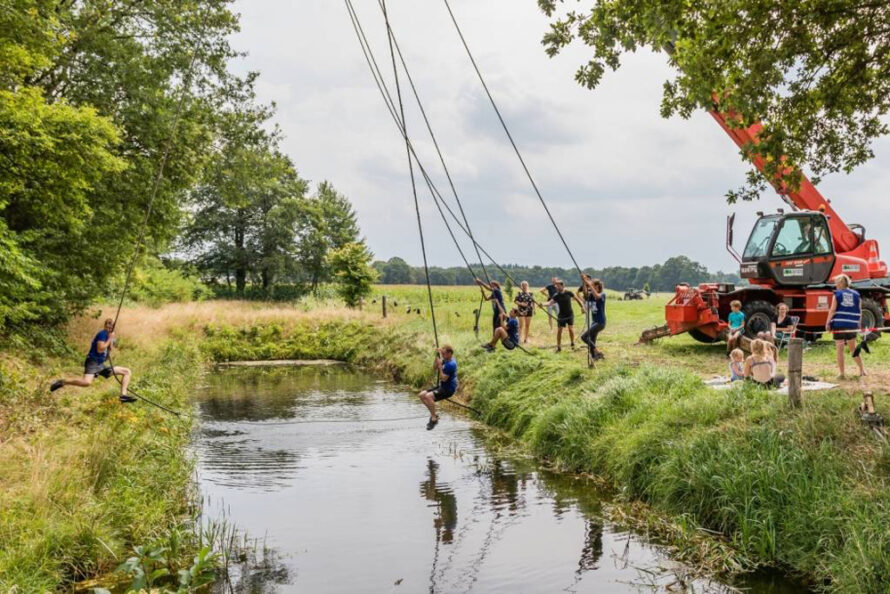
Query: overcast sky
626	186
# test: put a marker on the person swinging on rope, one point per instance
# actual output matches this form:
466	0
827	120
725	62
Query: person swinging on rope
508	333
96	363
497	303
446	372
595	296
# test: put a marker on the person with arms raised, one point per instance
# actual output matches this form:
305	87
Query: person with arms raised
97	363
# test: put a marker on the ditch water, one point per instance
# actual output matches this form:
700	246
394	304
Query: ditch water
336	476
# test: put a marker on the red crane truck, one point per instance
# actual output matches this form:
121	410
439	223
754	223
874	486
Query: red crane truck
789	257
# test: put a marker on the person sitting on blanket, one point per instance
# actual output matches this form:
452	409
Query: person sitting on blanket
760	366
736	365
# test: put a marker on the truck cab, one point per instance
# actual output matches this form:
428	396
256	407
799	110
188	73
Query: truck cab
793	249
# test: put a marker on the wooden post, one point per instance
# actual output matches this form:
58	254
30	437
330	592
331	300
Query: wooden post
384	306
361	303
795	371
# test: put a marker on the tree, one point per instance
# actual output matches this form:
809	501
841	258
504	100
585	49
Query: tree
815	73
352	271
397	272
329	225
249	209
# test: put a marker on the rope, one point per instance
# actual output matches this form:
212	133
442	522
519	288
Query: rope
426	268
388	101
144	226
435	144
510	137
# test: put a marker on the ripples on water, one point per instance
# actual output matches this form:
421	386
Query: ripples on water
338	474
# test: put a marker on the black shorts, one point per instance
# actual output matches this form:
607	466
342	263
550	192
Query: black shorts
496	320
563	322
839	335
508	344
440	393
91	367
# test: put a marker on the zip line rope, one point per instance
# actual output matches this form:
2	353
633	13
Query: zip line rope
510	136
379	81
426	268
145	219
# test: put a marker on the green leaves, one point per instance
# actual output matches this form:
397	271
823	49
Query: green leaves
351	266
817	74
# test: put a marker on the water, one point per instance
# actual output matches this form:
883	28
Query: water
337	476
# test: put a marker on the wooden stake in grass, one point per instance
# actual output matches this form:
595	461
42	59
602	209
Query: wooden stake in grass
384	306
795	370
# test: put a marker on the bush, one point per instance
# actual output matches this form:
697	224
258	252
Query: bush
155	284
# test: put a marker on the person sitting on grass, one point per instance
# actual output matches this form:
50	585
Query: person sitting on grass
844	320
736	321
96	363
446	372
566	316
508	333
760	366
736	365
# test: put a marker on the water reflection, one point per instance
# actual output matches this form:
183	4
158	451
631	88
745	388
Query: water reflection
326	465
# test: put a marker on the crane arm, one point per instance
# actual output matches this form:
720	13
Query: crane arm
805	197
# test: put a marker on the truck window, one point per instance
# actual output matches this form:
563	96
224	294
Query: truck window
794	237
758	243
821	237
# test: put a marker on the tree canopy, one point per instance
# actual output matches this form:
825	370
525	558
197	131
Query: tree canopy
816	73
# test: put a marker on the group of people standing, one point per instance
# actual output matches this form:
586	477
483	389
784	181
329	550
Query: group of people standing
511	328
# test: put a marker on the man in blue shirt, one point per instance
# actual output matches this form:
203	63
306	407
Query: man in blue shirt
97	363
446	370
508	333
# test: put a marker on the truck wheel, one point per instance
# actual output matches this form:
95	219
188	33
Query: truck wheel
758	316
872	317
702	337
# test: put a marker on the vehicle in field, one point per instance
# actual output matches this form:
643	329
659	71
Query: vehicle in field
789	256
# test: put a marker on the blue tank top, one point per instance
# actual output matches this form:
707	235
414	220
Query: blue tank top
848	311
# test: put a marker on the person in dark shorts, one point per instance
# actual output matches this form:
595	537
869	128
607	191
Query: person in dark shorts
96	363
499	312
566	317
446	370
525	306
552	310
508	333
844	320
595	296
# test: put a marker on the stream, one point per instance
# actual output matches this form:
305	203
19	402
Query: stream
334	474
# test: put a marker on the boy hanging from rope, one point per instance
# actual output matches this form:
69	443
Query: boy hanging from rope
508	333
96	364
446	372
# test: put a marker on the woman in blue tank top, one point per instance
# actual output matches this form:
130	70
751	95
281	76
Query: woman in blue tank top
844	318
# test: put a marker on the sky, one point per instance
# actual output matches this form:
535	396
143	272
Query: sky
626	187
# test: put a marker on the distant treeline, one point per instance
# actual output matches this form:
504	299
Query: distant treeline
661	277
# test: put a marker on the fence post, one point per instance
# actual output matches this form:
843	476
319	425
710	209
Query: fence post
795	371
384	306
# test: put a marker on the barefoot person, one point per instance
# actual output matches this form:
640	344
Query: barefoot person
446	371
525	305
844	318
96	364
507	334
566	316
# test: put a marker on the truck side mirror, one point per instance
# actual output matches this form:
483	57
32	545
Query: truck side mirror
730	224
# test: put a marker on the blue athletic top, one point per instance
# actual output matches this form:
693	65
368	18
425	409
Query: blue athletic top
849	309
497	297
599	313
736	320
449	368
95	355
513	330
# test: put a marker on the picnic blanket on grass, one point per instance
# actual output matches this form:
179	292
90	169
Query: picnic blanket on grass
723	383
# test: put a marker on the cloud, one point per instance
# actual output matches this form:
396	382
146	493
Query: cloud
626	186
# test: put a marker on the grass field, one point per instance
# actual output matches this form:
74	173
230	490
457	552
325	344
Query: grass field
82	480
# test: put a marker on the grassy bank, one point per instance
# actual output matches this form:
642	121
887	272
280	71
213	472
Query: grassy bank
83	478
